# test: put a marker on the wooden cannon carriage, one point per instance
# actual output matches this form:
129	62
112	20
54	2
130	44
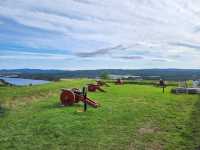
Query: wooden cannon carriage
119	82
94	88
70	96
102	83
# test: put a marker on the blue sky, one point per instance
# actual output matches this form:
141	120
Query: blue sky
94	34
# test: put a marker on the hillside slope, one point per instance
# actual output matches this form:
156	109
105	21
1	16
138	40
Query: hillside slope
134	117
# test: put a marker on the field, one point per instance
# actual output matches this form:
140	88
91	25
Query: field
131	117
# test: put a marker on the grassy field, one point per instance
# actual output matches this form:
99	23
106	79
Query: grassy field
131	117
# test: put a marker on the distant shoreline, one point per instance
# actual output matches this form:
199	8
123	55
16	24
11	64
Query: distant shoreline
146	74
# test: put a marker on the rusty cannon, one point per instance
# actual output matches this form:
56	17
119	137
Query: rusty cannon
94	88
102	83
119	82
70	96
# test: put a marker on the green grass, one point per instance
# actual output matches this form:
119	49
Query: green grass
135	117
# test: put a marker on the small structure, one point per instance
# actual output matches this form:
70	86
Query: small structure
70	96
125	77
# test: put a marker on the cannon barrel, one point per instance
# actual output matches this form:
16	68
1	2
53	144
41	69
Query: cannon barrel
89	101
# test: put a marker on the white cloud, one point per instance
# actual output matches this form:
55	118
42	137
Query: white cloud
31	55
140	25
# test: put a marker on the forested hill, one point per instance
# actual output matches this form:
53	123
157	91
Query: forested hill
167	74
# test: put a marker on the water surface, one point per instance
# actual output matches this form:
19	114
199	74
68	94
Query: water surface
21	82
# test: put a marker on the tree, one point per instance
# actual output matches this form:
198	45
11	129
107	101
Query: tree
104	76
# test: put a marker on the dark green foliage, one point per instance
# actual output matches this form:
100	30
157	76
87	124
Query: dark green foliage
104	76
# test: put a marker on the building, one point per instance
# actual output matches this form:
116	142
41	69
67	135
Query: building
125	77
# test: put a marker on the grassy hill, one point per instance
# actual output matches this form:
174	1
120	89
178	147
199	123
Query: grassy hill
135	117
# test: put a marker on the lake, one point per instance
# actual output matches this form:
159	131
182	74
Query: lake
22	82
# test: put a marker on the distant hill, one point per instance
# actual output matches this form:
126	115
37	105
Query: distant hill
167	74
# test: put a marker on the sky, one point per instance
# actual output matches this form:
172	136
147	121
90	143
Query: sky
99	34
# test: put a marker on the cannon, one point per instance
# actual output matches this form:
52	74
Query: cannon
70	96
119	82
102	83
94	88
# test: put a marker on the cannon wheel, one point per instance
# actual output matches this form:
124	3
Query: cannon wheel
67	97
